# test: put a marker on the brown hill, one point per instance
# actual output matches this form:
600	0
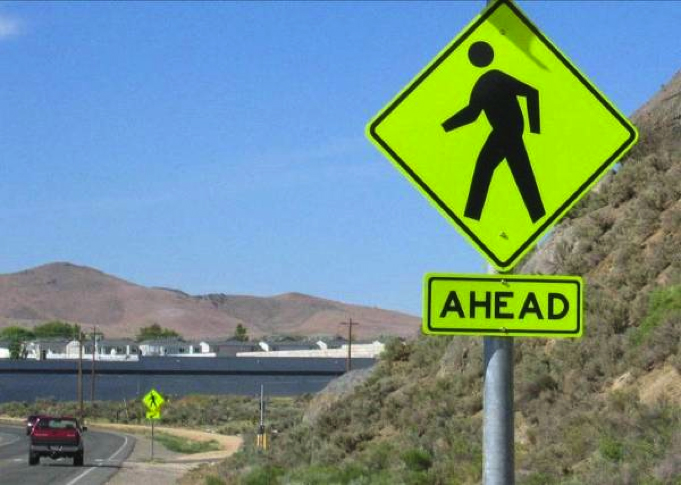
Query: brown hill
603	409
87	296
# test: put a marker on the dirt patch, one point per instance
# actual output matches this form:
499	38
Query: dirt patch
10	420
664	383
168	467
228	444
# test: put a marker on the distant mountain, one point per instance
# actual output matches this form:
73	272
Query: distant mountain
119	308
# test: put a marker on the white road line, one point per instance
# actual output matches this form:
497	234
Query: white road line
85	473
122	447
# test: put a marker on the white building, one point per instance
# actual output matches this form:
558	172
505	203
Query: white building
175	348
4	350
114	349
43	349
110	350
359	350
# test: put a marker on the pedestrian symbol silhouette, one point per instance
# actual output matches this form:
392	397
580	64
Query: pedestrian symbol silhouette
153	400
496	93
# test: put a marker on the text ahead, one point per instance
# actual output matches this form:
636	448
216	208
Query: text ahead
503	305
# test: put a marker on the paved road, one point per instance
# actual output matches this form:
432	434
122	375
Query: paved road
104	453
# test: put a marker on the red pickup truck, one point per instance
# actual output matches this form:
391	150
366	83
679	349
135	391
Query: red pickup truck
56	438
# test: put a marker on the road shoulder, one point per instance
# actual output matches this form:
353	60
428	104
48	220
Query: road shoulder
167	467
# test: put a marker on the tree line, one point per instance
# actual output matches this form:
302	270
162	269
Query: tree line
17	335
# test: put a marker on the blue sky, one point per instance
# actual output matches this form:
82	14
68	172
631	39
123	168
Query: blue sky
219	147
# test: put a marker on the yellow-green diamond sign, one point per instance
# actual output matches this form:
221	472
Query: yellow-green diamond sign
153	401
502	133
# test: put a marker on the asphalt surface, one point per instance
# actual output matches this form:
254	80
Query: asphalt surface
104	454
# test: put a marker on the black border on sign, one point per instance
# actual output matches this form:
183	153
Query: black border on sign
497	331
581	190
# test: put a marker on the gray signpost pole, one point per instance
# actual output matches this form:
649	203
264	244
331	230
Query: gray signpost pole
152	440
497	435
497	439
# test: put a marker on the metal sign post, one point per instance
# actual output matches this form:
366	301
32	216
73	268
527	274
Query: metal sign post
498	431
152	440
498	454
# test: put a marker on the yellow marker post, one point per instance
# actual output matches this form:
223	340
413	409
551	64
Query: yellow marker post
502	133
503	305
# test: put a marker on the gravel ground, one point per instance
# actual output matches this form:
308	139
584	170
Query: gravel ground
168	466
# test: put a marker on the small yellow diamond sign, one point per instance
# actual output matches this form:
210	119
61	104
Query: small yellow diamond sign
153	401
502	133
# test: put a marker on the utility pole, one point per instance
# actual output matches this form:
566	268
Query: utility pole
348	362
80	372
92	375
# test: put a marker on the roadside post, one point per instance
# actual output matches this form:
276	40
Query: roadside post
548	135
153	401
261	442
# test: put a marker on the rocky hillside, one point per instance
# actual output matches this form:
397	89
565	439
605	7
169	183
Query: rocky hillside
604	409
63	291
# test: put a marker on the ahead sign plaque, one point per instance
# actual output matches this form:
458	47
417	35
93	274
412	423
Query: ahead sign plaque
503	305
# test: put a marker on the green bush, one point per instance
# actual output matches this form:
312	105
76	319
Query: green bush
663	302
155	331
16	333
184	445
214	480
266	475
536	478
56	329
610	448
417	460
